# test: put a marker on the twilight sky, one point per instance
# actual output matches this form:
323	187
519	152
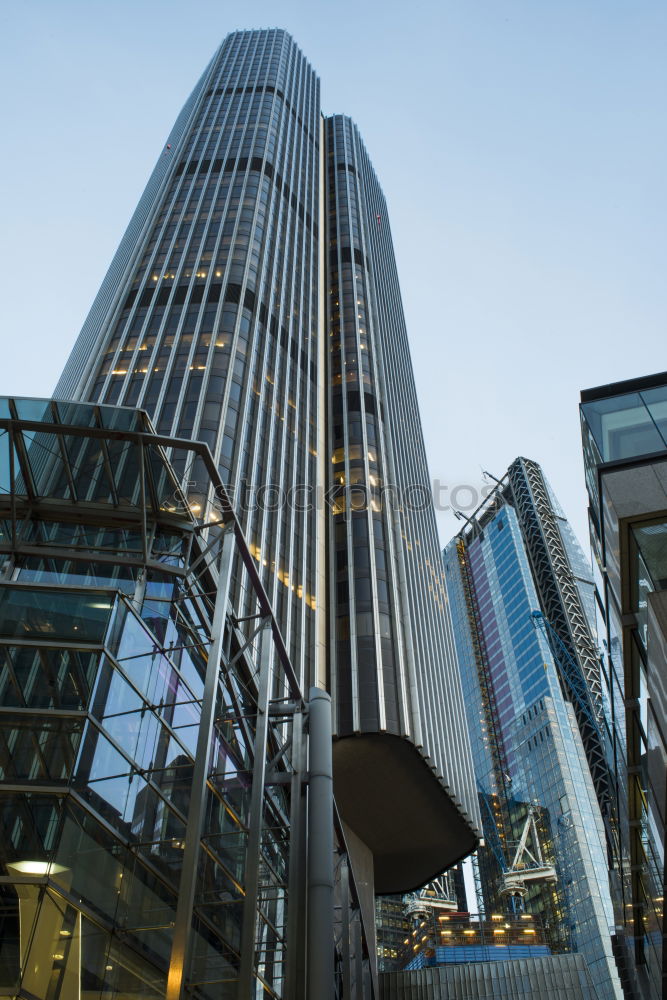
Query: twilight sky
521	145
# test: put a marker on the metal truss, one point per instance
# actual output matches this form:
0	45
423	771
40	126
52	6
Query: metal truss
439	895
562	607
103	482
527	866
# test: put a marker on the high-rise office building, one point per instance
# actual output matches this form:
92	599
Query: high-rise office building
253	304
624	428
253	311
525	695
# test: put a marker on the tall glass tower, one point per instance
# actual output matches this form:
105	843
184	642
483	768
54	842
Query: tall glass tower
525	694
253	304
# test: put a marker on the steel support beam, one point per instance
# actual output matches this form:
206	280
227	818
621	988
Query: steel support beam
193	834
255	821
296	895
346	953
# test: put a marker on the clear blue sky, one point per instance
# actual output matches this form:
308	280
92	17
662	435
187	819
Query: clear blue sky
521	145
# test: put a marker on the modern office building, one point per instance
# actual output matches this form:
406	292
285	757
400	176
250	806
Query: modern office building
254	304
253	311
624	428
544	850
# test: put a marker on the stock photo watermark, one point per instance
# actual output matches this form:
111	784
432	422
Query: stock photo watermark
339	497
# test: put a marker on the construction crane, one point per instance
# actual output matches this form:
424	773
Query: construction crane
527	866
438	895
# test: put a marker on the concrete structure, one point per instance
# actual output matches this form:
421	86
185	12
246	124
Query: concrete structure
624	429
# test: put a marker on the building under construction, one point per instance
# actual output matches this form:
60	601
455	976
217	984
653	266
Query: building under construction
520	596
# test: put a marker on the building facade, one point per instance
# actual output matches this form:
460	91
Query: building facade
624	428
254	305
535	787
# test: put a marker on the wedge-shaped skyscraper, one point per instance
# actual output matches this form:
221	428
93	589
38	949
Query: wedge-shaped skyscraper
253	304
520	595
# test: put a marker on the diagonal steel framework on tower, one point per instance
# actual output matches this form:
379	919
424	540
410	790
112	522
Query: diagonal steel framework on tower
563	608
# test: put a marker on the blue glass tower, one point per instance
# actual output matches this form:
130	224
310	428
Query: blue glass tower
528	752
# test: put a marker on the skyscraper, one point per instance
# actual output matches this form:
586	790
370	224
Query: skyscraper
545	845
624	429
253	304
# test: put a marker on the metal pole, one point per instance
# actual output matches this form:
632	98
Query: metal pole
346	953
193	833
294	937
320	849
358	957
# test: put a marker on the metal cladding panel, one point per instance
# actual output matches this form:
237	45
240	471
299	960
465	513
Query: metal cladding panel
394	666
552	978
90	341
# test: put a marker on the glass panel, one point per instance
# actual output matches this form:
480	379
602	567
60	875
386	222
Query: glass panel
147	910
90	862
109	970
56	615
652	542
5	482
89	469
46	753
29	825
82	536
34	409
46	465
164	483
169	544
73	573
157	831
121	418
622	427
134	640
124	459
78	414
46	678
656	404
214	963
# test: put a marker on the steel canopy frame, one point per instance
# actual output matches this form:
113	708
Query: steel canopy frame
207	551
